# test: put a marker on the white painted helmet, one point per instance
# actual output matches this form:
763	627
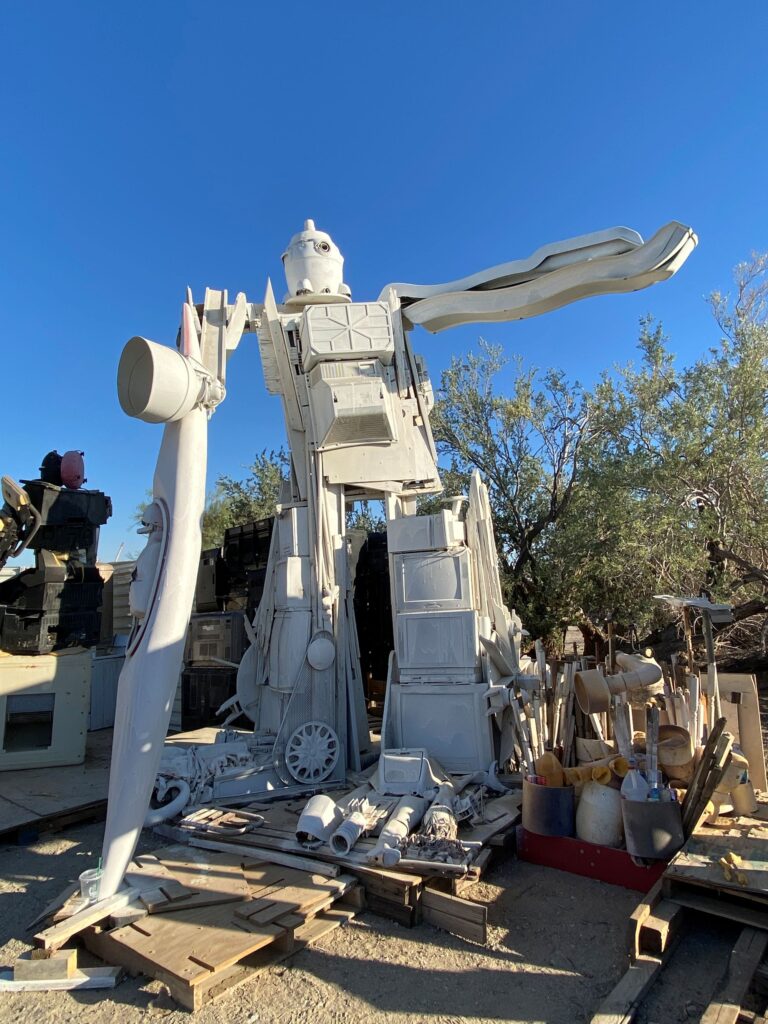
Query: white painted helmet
313	264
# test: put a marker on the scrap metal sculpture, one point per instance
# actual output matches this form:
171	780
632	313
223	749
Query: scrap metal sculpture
356	401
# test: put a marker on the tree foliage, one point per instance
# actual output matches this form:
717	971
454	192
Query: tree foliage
236	502
654	481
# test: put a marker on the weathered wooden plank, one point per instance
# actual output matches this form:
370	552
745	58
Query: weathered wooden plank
87	977
745	957
620	1004
55	936
660	927
639	915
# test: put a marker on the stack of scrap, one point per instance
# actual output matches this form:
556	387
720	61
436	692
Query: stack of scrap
638	753
396	845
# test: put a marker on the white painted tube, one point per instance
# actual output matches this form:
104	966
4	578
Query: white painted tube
637	675
403	820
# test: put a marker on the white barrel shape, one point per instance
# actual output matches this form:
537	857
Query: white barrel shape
598	817
156	383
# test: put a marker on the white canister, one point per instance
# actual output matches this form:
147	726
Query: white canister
598	817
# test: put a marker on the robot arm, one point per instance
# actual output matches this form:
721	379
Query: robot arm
604	262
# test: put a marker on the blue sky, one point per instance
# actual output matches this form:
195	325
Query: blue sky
150	146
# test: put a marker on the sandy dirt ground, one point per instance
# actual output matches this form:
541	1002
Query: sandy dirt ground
556	946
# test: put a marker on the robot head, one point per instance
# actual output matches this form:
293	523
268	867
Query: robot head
313	264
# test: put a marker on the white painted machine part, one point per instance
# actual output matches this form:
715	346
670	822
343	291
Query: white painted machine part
319	820
404	819
654	261
347	834
358	425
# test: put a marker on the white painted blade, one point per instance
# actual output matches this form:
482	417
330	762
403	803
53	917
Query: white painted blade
654	261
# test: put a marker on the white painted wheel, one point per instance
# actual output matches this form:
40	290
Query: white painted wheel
312	752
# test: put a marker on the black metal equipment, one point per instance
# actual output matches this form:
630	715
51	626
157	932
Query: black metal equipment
56	604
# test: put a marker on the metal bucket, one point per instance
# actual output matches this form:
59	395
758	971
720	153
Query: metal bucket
652	829
548	810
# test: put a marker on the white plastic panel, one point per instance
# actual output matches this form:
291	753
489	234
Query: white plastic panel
287	648
448	721
439	646
44	702
352	331
292	583
433	581
292	535
351	404
425	533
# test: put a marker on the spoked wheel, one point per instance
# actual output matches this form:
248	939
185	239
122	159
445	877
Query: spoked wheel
312	752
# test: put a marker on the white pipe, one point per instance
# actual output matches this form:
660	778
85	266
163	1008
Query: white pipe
348	832
593	690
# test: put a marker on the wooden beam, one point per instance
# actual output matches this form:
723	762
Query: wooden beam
285	860
745	958
622	1001
58	934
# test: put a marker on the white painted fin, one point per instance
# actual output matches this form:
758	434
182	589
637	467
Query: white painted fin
599	273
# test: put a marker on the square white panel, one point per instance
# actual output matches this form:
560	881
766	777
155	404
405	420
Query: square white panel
424	533
433	581
440	646
448	721
354	330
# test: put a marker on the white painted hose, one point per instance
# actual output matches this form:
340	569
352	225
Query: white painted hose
157	814
348	832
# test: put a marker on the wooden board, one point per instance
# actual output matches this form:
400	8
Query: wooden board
195	953
86	977
192	943
697	864
620	1004
455	915
744	960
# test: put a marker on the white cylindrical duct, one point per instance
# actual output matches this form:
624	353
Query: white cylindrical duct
348	832
320	817
593	690
639	673
403	820
156	383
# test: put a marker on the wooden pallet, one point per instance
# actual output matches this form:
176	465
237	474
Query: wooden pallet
203	921
695	878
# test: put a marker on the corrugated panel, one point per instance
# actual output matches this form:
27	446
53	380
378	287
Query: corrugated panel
105	673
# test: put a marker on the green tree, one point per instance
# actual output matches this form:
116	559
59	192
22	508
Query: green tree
236	502
655	481
527	446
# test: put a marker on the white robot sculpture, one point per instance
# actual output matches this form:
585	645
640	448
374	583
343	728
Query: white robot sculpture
356	401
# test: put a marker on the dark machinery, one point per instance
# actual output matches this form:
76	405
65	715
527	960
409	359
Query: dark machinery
57	603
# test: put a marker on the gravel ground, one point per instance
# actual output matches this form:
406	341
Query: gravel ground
556	946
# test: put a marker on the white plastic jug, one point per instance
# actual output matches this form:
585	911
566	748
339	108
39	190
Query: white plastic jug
598	818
